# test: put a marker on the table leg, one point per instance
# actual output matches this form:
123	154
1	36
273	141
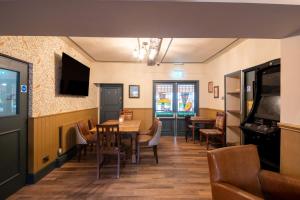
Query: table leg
199	136
135	148
193	131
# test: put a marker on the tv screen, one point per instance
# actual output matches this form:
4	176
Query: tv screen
269	108
75	77
271	83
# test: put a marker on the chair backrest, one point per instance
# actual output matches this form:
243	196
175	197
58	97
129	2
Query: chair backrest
108	136
220	121
238	166
156	137
83	129
92	123
128	114
80	137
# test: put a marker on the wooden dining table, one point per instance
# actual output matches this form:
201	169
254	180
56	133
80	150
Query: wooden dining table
126	127
200	120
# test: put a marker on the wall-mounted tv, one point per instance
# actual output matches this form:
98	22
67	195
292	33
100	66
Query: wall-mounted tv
75	77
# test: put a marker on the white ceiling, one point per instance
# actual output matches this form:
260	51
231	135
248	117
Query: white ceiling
176	50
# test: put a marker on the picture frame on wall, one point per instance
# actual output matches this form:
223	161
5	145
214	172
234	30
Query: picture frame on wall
210	87
134	91
216	92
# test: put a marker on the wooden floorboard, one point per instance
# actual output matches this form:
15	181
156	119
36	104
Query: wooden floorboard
182	173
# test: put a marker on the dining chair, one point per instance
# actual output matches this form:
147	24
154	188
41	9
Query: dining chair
149	141
188	127
83	138
108	144
128	114
92	123
217	131
151	130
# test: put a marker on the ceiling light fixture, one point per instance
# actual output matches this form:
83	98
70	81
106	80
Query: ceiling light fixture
149	50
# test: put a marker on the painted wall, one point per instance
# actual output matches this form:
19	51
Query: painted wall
45	55
244	54
143	75
290	107
290	81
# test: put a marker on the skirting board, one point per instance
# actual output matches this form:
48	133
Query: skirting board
33	178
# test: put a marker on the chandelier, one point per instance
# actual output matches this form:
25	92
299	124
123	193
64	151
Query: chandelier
148	50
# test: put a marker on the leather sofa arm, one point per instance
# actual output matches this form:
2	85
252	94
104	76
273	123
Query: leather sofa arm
276	186
225	191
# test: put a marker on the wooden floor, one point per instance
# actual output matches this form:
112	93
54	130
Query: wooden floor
182	173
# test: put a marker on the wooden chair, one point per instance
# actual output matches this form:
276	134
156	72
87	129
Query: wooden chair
188	127
150	141
92	123
108	144
83	138
128	114
217	131
151	130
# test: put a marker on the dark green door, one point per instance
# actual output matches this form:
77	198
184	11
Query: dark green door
13	125
111	101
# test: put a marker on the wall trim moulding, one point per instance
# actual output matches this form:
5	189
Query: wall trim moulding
62	113
290	127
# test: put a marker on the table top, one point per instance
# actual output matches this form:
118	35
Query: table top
202	119
127	126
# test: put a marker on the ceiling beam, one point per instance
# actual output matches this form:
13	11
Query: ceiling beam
160	19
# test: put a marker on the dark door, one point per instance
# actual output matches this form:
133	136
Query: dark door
111	101
13	125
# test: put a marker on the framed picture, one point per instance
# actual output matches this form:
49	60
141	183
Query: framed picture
210	87
216	92
134	91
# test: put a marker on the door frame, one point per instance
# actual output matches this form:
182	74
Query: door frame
29	77
121	85
197	95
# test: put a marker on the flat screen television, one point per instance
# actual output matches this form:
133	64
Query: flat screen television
271	82
269	108
75	77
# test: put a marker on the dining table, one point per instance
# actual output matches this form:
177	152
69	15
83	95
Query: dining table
200	120
126	127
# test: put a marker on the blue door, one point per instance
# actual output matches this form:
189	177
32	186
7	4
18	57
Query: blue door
111	101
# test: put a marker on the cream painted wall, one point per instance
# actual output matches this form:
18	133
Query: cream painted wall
45	55
244	54
290	81
140	74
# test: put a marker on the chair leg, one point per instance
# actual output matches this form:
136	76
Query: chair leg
200	137
207	142
84	149
155	153
118	166
193	134
138	154
79	148
186	136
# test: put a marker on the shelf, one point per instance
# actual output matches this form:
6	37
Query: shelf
236	128
234	93
236	112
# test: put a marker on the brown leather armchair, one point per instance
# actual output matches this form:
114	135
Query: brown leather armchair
235	174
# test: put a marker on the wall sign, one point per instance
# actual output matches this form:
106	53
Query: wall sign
23	88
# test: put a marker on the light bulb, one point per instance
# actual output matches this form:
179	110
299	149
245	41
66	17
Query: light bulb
141	55
152	54
135	53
